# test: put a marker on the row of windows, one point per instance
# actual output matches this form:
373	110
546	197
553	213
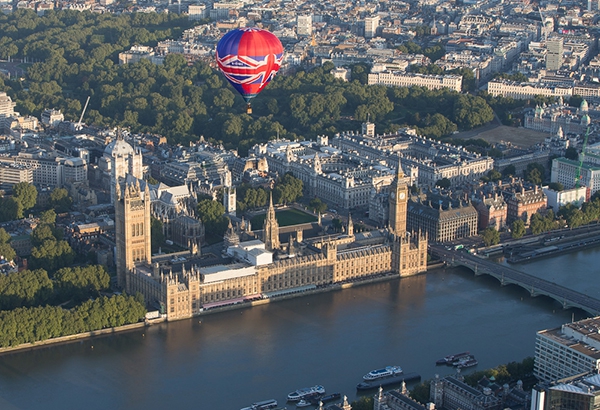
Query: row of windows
137	229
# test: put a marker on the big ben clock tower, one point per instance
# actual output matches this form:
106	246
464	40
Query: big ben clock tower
398	203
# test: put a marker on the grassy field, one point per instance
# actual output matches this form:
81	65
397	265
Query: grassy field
286	217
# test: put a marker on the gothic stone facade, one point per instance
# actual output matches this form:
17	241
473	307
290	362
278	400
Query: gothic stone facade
186	293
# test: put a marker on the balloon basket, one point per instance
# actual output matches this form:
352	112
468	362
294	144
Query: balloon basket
248	109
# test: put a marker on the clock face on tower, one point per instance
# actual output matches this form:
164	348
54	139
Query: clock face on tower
401	195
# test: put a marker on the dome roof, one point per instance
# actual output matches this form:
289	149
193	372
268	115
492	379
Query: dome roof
584	105
118	147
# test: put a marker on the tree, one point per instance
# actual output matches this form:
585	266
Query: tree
535	173
536	224
288	189
443	183
556	186
517	228
509	170
212	214
48	217
572	154
490	236
317	206
60	200
364	403
6	251
10	209
52	254
26	194
81	283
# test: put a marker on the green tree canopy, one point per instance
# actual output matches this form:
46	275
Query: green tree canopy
534	173
317	205
443	183
81	283
517	228
572	154
26	194
212	214
288	189
60	200
490	236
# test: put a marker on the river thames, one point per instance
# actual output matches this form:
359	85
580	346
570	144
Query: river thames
229	360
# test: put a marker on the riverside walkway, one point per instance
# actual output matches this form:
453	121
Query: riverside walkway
506	276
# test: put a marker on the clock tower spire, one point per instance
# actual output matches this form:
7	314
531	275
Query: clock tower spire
398	202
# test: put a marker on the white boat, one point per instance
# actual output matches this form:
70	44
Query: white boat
380	373
303	403
301	393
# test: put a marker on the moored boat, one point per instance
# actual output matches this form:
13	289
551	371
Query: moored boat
386	381
302	393
450	359
262	405
330	397
303	403
380	373
468	363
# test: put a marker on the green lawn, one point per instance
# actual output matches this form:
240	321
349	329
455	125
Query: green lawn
286	217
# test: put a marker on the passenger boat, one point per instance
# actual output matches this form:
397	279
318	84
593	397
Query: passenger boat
380	373
460	362
450	359
301	393
386	381
262	405
304	403
468	363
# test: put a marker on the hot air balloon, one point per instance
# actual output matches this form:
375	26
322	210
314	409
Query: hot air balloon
249	58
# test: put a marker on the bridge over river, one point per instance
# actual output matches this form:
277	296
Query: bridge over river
535	286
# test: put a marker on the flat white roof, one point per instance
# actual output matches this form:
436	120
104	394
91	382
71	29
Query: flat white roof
219	273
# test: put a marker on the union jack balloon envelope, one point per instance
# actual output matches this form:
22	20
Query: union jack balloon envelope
249	58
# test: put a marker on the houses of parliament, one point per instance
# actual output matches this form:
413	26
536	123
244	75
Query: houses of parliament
262	266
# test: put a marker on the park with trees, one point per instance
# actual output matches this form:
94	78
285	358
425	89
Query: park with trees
75	55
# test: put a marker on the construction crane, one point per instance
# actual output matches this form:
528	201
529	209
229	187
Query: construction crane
581	158
78	125
544	30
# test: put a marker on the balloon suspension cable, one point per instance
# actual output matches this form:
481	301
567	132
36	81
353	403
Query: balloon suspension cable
248	108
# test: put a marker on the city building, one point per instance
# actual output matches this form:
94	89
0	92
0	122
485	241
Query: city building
529	90
570	350
52	117
405	79
524	202
571	174
354	170
120	159
7	106
557	118
575	196
304	25
493	212
452	393
554	57
197	12
13	173
571	393
398	400
371	26
442	218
